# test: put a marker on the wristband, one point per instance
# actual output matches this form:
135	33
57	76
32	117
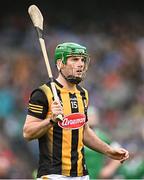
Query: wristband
52	122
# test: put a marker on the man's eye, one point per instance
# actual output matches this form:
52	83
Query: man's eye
84	60
74	59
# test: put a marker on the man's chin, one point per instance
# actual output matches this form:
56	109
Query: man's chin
74	79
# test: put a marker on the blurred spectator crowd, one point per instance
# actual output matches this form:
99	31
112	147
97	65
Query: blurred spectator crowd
115	81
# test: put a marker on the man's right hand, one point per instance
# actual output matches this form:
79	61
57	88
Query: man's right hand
56	109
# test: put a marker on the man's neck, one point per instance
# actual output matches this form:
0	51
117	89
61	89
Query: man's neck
65	83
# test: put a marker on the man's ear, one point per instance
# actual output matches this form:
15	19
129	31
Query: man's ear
59	64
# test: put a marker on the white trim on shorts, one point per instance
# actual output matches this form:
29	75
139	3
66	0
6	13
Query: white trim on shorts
61	177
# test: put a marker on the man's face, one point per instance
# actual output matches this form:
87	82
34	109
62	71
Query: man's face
75	66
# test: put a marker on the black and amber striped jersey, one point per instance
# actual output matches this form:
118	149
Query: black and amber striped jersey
61	148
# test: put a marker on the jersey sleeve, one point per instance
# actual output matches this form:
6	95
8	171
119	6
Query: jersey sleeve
38	104
86	103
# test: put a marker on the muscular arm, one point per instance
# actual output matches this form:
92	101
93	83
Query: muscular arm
35	128
94	142
36	123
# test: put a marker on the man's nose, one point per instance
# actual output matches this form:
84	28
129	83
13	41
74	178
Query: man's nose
80	63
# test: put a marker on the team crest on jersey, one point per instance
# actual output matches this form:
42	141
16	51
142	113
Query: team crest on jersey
73	121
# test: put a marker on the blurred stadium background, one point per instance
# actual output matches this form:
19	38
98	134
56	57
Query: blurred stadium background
113	31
